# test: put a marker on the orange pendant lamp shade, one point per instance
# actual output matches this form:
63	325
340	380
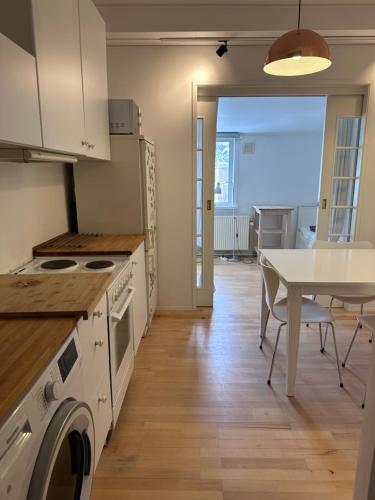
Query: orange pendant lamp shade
298	52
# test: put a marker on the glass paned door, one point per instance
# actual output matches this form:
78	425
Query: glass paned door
204	151
341	169
346	177
199	201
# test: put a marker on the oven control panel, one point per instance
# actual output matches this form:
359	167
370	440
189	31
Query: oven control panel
119	288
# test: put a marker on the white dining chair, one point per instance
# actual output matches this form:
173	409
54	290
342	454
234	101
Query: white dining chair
367	321
311	312
360	300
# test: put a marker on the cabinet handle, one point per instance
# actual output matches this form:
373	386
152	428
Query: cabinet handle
102	399
97	314
99	343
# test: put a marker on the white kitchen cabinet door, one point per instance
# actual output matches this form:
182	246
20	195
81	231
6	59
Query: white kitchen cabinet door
58	55
94	80
93	336
140	296
101	407
19	116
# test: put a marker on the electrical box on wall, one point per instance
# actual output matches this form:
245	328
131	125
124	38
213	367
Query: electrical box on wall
248	148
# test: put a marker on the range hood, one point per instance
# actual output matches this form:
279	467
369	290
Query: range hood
34	155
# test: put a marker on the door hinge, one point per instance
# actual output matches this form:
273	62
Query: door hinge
324	203
208	204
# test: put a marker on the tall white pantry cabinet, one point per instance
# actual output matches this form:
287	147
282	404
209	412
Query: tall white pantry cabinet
119	197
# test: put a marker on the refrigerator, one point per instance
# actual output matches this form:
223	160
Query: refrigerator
119	197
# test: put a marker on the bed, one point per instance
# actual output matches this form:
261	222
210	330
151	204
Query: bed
306	226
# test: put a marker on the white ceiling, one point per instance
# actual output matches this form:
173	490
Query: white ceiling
271	115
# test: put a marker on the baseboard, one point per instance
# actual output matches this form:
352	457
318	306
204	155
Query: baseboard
175	308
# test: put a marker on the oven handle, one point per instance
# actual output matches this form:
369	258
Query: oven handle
117	316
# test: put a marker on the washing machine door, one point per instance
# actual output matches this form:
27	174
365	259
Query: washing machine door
65	465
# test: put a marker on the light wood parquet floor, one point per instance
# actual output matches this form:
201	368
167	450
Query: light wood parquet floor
200	423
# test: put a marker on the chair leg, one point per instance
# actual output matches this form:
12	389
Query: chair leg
364	400
274	352
326	332
321	337
337	355
308	324
264	330
351	343
360	326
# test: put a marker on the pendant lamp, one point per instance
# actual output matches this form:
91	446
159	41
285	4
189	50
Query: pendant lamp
298	52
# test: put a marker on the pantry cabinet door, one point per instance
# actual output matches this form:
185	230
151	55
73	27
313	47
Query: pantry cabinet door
58	55
140	297
94	80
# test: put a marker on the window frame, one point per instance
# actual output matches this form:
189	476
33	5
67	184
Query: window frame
232	138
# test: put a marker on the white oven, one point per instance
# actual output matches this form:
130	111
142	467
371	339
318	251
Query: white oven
121	337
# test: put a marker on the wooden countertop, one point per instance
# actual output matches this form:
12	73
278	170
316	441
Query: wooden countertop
46	295
26	348
89	244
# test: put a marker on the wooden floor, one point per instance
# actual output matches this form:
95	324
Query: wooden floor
200	423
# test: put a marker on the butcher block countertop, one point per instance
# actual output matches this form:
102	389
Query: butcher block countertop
89	244
46	295
26	348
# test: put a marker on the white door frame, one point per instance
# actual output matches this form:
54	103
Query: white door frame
221	89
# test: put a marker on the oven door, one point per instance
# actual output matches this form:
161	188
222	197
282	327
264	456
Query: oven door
121	347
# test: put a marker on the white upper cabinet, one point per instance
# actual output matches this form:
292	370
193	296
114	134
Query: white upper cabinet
58	56
19	116
53	88
94	80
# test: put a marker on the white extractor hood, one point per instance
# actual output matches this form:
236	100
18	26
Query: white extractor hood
33	155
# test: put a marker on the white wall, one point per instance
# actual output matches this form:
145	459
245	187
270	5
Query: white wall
160	79
284	170
32	209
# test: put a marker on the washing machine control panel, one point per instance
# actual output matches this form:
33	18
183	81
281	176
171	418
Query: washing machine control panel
50	389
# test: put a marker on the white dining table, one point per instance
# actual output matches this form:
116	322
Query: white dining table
316	272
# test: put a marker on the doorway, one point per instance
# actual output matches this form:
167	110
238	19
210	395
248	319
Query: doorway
297	152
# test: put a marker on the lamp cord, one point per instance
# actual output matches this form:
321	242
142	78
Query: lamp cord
299	13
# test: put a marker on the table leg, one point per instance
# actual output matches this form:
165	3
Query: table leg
294	325
263	313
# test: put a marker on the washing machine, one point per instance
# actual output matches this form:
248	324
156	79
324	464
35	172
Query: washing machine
47	444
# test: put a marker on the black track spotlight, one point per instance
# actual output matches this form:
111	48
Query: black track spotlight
223	48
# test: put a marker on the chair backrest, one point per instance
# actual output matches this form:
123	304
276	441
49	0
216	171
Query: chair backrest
360	245
271	282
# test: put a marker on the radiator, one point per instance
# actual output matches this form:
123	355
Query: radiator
225	227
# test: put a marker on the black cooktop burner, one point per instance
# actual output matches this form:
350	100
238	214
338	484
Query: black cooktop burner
99	264
58	264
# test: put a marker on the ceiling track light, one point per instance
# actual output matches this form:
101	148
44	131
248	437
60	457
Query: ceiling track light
298	52
223	48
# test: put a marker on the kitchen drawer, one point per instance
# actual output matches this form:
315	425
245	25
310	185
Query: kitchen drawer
101	407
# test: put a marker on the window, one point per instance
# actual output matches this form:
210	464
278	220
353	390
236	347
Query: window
224	172
346	177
